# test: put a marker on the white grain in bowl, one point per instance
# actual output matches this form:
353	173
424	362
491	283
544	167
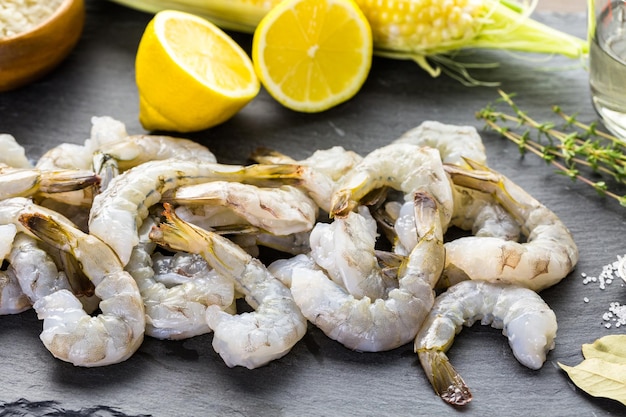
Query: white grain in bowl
18	16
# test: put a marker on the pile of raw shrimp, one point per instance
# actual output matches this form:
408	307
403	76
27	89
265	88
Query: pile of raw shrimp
131	235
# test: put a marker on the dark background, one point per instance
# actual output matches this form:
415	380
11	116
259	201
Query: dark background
319	376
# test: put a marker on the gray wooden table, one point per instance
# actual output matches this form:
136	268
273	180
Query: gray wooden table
320	377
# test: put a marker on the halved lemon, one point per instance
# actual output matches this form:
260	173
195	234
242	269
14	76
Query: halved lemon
313	54
190	74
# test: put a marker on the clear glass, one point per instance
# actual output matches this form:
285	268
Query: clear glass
607	62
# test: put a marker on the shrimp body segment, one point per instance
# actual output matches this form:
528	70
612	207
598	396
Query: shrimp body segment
527	321
548	255
250	339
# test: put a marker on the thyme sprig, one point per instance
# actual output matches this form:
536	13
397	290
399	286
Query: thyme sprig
578	150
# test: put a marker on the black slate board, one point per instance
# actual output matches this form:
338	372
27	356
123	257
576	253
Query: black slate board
319	377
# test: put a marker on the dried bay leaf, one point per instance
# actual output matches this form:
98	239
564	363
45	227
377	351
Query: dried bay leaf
599	378
610	348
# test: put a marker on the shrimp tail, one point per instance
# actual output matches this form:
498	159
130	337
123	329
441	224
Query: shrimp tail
173	233
47	229
342	204
287	173
446	381
67	180
482	178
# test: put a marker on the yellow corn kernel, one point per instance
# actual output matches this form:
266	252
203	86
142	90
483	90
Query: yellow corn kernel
407	25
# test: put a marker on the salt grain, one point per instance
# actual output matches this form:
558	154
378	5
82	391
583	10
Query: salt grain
616	314
17	16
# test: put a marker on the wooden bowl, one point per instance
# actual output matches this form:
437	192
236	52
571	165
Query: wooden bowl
28	56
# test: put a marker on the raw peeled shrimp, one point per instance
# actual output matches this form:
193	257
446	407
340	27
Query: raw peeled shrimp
344	248
322	169
523	316
250	339
454	143
26	182
117	212
176	311
365	324
279	210
548	255
13	154
69	333
404	167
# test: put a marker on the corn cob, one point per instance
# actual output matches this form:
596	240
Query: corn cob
421	30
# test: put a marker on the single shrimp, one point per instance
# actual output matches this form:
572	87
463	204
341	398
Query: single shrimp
176	311
365	324
522	314
13	154
26	182
320	171
344	248
250	339
70	333
404	167
454	143
548	255
117	212
279	210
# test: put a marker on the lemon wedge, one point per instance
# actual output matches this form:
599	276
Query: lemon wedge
190	74
313	54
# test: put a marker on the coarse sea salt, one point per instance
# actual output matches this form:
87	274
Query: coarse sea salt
616	314
17	16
